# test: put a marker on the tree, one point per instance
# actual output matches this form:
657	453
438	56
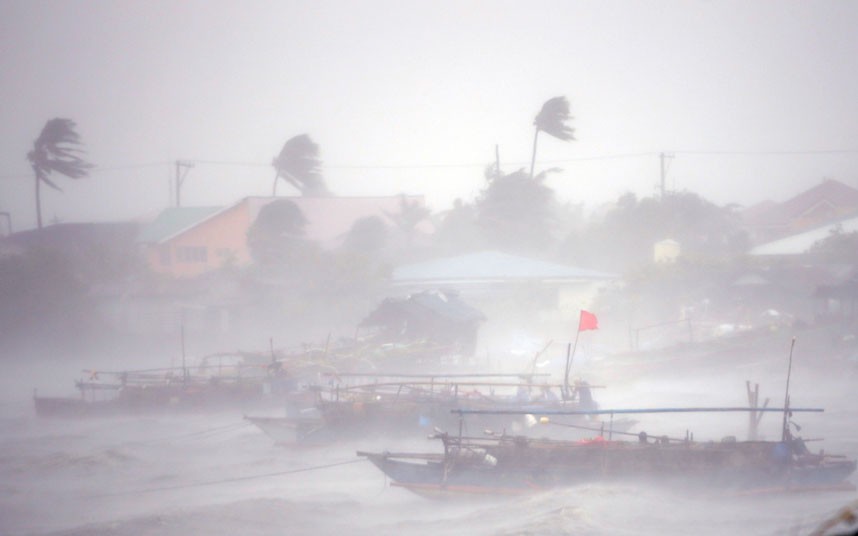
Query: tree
410	214
368	236
551	120
516	212
277	235
624	238
56	150
298	164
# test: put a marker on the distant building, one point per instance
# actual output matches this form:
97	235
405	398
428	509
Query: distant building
489	275
800	243
439	317
828	201
666	251
189	241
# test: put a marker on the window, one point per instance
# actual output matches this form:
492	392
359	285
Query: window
191	254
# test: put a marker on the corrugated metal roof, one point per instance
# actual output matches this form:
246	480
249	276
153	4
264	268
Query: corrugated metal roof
801	243
491	265
437	303
173	221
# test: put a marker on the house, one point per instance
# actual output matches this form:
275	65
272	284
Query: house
800	243
498	277
830	200
437	316
189	241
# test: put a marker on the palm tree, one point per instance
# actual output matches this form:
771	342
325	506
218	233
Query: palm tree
56	150
298	164
551	120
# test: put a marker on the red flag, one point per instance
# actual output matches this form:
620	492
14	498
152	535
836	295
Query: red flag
588	321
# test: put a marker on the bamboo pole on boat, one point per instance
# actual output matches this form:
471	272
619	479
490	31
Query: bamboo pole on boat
754	416
785	430
625	411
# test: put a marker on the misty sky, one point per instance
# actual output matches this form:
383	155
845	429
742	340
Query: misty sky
411	97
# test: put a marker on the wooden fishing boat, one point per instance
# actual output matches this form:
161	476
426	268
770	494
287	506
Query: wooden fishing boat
515	464
217	381
420	403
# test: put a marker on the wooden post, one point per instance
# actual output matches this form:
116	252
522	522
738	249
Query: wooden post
754	416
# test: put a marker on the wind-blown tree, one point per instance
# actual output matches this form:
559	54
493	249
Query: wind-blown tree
623	240
410	214
56	150
367	236
551	119
277	235
516	212
299	165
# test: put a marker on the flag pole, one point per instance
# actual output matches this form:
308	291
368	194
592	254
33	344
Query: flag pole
570	354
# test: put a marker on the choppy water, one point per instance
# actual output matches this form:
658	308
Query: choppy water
216	474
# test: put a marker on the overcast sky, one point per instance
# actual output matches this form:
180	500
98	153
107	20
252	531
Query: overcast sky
412	97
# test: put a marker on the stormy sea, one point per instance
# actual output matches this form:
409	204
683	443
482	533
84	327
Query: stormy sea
215	473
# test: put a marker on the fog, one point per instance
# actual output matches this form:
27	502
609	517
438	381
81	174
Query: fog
454	187
212	472
755	101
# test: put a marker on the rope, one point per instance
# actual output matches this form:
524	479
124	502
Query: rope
226	480
209	431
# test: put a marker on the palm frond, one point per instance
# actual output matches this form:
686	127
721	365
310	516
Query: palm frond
552	118
46	179
57	150
298	163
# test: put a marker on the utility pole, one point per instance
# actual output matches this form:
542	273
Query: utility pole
664	165
8	218
182	168
497	160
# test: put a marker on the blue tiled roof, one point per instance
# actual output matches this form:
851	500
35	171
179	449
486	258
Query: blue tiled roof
491	265
173	221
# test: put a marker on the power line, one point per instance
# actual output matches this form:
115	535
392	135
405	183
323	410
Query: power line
616	156
97	169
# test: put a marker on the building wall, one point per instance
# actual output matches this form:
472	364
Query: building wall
208	246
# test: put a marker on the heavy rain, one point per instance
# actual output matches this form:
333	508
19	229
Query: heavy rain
489	268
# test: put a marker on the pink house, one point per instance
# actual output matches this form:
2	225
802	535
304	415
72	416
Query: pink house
188	241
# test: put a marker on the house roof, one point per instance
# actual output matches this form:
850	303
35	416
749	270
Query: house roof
173	221
435	303
329	219
492	266
829	194
800	243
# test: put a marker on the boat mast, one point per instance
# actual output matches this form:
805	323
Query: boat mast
569	352
785	434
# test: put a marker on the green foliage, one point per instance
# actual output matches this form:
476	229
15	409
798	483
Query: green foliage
368	236
277	235
838	247
299	165
625	238
458	231
515	212
56	150
552	119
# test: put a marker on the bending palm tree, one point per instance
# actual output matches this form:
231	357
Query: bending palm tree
551	120
56	150
298	164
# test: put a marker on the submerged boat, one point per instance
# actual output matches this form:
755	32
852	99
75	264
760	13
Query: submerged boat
510	464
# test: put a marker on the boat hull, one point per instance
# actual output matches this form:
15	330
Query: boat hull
523	466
